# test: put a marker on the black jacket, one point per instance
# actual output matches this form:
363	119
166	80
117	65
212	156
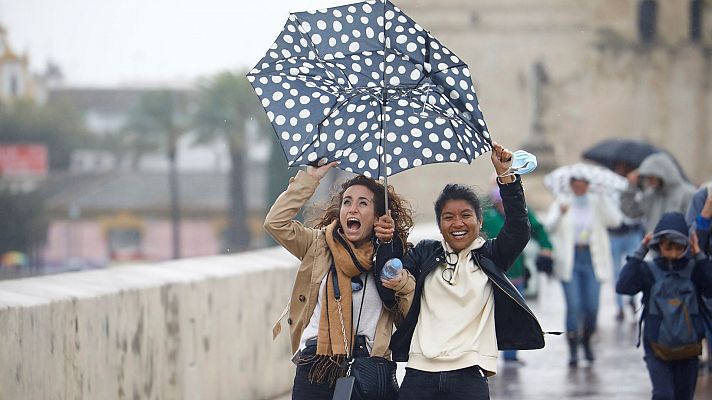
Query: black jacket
515	324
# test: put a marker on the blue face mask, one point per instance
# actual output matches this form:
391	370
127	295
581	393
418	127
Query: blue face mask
522	162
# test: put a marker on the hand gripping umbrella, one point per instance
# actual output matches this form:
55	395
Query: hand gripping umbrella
365	85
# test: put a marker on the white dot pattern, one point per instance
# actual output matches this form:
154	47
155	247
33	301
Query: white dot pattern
601	180
331	73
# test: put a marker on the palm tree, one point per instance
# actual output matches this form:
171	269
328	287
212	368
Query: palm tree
160	116
226	103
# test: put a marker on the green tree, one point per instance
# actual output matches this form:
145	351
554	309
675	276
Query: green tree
159	118
226	103
57	125
24	222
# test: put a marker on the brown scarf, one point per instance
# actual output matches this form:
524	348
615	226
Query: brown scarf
330	350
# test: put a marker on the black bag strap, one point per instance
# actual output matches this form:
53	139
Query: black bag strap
343	242
337	296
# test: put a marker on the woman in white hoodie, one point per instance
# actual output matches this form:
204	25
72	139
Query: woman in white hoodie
578	225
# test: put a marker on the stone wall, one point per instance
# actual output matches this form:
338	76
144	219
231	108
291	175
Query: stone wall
191	329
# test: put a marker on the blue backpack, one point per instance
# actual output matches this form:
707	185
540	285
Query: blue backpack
673	315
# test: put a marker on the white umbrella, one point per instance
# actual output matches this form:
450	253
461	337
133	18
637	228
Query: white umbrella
601	180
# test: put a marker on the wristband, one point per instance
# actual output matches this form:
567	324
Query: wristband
499	179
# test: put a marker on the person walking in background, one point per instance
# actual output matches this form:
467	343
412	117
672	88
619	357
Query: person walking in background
518	273
464	307
625	239
655	188
672	284
699	217
349	245
578	224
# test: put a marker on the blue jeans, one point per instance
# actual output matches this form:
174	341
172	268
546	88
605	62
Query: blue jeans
462	384
672	380
305	390
621	246
582	293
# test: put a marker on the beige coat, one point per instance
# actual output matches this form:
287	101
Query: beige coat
309	246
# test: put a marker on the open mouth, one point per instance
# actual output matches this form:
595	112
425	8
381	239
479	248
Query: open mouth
353	224
458	234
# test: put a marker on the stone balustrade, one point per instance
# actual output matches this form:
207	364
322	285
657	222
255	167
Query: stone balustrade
196	328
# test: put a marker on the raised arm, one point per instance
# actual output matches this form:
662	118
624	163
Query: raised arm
515	233
631	198
634	276
280	222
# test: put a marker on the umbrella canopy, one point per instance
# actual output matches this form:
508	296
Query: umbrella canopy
600	180
613	151
365	85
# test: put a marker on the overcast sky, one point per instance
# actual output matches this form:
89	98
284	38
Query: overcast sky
111	42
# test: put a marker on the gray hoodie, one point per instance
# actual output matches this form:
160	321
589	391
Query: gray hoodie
650	204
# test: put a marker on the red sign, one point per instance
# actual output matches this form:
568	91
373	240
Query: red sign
23	160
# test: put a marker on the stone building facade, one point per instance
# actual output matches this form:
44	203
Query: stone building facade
575	73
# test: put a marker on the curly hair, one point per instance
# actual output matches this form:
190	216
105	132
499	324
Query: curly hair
401	210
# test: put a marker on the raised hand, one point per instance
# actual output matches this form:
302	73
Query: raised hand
633	177
694	243
501	159
319	172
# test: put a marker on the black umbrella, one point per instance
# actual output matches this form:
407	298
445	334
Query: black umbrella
365	85
611	152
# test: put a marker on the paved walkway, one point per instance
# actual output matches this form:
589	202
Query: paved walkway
618	373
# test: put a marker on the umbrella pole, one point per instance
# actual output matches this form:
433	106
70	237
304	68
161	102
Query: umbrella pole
383	111
385	168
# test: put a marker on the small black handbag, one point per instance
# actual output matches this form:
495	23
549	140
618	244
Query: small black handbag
375	379
372	378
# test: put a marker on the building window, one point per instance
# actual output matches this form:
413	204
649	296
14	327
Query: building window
696	10
124	244
14	90
647	20
123	233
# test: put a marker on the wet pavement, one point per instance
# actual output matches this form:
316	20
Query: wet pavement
618	372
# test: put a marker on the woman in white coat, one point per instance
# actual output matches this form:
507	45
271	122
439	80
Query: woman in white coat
578	224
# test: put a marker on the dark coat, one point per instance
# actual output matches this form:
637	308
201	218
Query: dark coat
636	277
515	324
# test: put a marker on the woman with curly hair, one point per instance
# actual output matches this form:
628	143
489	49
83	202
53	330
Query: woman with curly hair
346	248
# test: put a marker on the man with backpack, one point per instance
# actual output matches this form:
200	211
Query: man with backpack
672	285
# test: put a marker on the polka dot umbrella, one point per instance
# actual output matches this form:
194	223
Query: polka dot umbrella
601	180
365	85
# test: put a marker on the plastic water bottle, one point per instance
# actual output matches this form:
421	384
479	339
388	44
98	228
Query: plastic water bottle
392	268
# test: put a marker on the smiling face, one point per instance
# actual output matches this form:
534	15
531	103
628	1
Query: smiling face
357	214
459	224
